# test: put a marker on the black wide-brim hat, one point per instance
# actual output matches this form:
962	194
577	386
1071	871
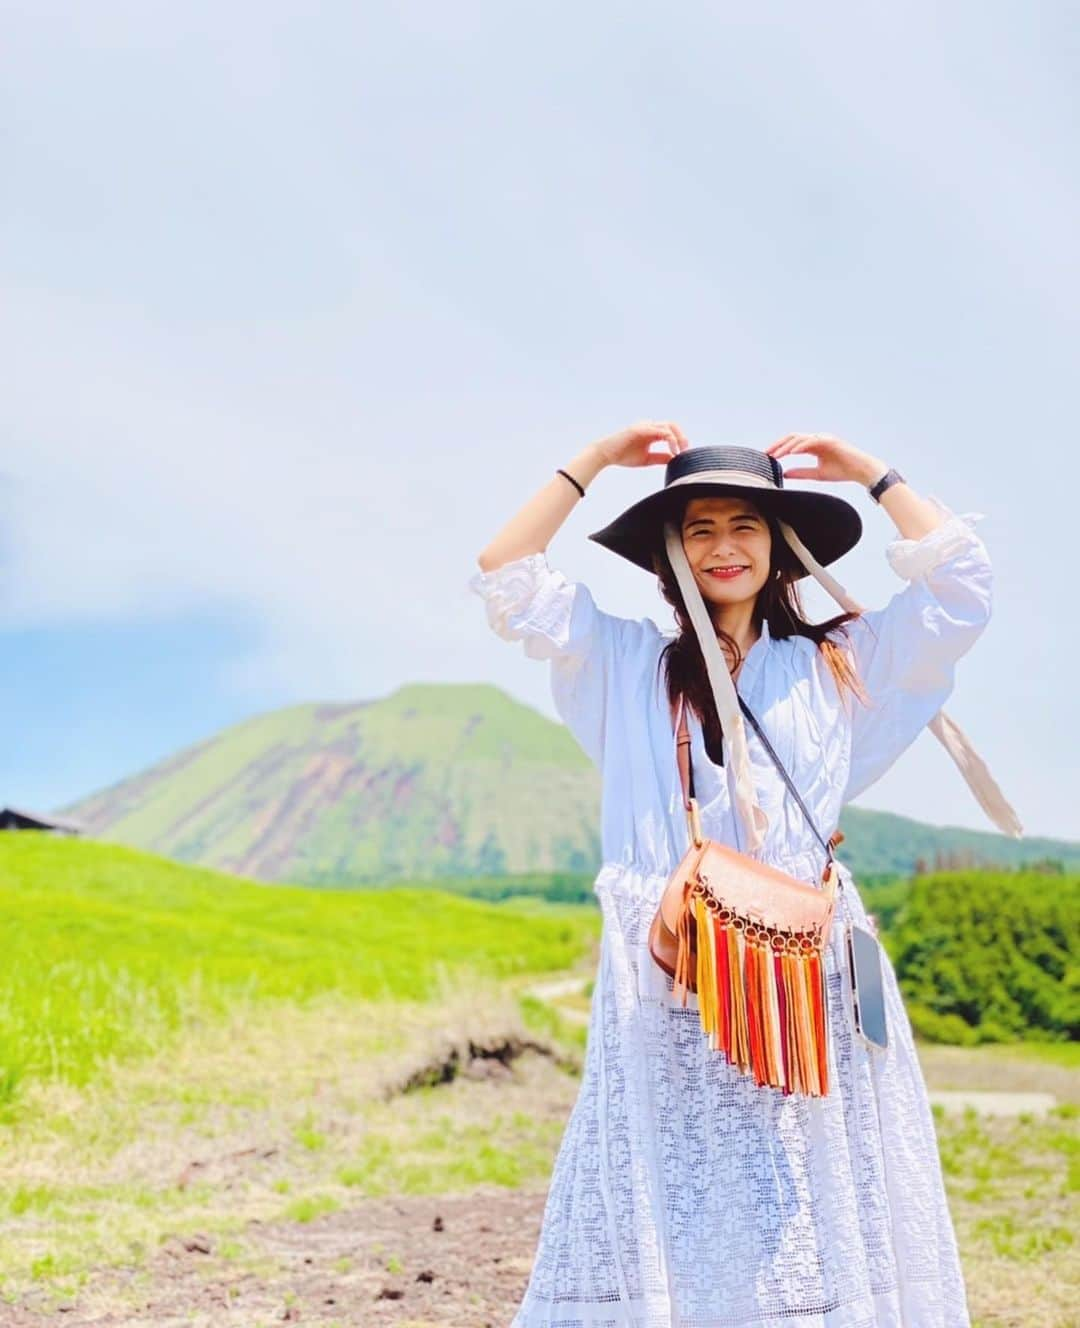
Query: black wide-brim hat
827	525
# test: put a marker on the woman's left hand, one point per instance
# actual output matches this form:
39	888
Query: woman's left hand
836	460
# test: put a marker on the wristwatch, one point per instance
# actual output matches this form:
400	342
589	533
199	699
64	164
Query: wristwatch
887	480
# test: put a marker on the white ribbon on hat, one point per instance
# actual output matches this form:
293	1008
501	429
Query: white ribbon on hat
970	764
729	475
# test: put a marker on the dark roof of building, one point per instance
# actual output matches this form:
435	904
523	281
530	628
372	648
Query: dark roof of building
46	821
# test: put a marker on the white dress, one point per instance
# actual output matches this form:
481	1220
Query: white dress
683	1195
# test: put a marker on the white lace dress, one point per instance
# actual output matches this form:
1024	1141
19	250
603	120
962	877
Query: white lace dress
683	1195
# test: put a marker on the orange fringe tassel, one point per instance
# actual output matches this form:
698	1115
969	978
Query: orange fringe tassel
764	1008
797	1082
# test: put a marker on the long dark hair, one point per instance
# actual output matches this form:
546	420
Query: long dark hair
779	603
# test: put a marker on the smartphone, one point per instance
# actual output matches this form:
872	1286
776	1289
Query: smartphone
867	990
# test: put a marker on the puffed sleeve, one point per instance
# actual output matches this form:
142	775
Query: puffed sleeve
906	652
557	619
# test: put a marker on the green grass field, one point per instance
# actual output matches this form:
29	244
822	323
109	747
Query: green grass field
186	1054
110	952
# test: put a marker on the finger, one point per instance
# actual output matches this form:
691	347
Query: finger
684	442
652	430
804	442
803	473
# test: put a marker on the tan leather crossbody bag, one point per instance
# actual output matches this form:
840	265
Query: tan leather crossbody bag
749	940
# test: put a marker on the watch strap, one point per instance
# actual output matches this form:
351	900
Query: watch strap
891	477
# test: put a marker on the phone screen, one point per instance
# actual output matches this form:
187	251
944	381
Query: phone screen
864	962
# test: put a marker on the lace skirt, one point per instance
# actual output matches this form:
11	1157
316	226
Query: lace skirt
685	1196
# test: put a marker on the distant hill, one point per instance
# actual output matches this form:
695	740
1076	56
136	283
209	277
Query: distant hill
883	844
434	781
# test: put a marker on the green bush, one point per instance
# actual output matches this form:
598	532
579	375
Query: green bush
934	1027
990	956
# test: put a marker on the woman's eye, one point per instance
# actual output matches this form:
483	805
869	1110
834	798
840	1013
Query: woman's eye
744	525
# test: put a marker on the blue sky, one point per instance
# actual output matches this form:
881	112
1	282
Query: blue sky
303	302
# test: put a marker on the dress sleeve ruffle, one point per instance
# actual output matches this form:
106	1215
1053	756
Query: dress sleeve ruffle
911	558
557	619
527	600
906	653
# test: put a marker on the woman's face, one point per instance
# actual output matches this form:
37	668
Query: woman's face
728	546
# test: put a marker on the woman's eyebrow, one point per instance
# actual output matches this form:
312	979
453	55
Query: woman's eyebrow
708	520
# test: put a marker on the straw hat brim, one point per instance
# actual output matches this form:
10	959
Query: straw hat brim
827	525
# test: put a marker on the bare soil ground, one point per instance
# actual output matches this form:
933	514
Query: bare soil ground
458	1259
463	1260
312	1198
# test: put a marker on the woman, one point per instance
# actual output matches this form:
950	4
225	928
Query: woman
683	1194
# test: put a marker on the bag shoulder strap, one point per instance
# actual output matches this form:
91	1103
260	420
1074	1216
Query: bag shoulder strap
947	731
686	768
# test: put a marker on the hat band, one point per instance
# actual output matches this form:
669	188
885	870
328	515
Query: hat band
742	477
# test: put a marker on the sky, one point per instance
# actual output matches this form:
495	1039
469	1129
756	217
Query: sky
303	302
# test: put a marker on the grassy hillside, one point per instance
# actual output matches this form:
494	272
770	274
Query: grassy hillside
883	844
435	781
432	780
110	951
439	781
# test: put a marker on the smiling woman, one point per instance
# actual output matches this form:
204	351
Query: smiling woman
684	1191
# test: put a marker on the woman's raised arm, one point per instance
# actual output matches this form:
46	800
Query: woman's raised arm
906	652
557	619
531	529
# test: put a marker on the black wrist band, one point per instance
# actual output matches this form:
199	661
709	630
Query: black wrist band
887	480
572	481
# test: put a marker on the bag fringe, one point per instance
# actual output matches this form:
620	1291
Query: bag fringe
761	996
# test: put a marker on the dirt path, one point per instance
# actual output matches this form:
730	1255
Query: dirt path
552	992
988	1103
451	1260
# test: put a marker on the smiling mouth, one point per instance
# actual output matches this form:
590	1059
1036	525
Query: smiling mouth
727	573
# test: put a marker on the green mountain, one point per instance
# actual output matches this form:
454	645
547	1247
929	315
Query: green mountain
436	780
433	780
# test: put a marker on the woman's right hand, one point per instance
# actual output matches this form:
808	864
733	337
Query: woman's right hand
632	447
530	529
